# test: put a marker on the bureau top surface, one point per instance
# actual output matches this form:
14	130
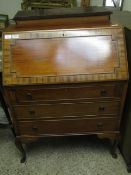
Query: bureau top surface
60	18
64	56
60	13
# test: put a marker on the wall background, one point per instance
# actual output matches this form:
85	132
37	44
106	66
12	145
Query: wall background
127	5
10	7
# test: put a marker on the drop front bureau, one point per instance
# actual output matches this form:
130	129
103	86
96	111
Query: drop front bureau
65	72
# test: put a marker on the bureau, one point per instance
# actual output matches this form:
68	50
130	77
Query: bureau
65	74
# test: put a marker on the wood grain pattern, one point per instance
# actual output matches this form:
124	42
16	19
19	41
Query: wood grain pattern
68	110
61	57
56	127
63	23
47	93
61	63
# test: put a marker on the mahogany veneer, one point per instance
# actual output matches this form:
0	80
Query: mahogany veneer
65	81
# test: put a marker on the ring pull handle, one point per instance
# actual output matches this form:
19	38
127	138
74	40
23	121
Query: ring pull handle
32	112
102	108
29	96
103	92
100	125
35	128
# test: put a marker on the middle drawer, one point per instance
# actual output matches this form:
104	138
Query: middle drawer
62	110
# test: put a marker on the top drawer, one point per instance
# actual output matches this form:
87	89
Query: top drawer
65	92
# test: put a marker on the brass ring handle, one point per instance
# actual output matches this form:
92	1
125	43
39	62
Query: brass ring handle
32	112
103	92
100	125
35	128
29	96
101	108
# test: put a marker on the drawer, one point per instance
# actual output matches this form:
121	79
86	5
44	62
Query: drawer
67	126
61	110
43	93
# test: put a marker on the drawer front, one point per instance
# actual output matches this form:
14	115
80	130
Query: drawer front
69	126
24	94
61	110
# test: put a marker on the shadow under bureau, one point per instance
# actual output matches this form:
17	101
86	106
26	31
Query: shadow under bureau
65	76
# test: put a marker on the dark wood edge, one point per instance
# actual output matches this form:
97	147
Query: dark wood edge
28	139
4	125
127	165
129	168
61	13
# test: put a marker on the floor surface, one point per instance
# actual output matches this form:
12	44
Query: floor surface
85	155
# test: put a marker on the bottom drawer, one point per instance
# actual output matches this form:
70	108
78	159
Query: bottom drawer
67	126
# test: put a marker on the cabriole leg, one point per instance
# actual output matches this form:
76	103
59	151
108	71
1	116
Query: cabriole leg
114	148
21	149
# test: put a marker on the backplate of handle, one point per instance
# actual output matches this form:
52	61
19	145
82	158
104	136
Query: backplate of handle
102	108
100	125
29	96
34	128
103	92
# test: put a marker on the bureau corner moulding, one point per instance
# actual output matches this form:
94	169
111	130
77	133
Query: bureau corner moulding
64	74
